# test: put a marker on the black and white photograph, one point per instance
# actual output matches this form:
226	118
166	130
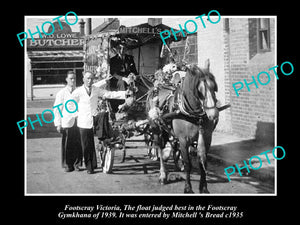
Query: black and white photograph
140	126
155	117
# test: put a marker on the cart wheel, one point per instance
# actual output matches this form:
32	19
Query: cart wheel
123	154
153	152
108	160
100	151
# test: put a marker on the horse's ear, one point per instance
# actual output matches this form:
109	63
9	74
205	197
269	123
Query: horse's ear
207	64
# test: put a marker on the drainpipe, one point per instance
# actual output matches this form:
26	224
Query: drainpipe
88	27
81	27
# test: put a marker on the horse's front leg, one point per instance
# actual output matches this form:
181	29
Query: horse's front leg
123	149
163	177
187	165
176	155
202	149
162	169
123	154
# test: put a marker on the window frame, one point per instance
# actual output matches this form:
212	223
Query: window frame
259	35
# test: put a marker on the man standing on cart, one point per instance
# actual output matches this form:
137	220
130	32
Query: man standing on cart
121	65
86	97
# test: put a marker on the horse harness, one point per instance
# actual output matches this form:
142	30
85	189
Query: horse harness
178	110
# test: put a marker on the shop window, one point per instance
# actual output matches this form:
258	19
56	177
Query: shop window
49	76
45	73
263	36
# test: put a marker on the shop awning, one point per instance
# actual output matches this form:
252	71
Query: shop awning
134	36
55	54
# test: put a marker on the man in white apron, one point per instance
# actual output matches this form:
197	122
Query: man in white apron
67	125
86	97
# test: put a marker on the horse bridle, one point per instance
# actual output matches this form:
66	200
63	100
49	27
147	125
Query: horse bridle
205	100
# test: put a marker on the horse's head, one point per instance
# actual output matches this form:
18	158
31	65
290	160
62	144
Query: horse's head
207	88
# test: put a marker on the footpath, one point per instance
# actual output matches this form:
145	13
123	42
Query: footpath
228	150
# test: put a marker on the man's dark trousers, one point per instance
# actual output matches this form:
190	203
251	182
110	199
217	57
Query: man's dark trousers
71	147
88	148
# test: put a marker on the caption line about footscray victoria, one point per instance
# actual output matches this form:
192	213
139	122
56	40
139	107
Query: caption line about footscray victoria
169	211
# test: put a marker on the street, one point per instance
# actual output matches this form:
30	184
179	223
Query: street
139	174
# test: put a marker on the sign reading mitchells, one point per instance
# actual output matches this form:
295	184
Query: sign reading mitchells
139	30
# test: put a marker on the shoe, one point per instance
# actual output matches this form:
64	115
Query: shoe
68	169
77	168
90	171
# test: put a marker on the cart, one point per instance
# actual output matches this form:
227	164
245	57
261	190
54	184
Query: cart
126	118
106	53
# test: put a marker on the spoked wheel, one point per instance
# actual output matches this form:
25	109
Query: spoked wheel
108	160
152	151
107	155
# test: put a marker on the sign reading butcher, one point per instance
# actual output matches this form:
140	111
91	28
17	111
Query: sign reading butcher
57	40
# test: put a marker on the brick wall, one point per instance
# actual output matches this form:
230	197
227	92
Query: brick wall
252	113
232	47
227	77
239	55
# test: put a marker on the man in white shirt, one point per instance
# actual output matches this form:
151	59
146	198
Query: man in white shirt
86	97
65	123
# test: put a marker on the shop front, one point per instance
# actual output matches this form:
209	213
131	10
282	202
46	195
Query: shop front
50	58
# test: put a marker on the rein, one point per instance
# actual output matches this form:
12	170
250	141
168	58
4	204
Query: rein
132	87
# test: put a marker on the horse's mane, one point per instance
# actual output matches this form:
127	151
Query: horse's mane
194	70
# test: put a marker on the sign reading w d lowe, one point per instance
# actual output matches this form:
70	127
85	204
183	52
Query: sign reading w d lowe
58	40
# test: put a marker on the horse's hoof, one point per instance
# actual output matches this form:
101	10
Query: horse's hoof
162	181
188	191
204	191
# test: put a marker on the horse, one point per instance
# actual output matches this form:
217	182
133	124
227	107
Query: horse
186	126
